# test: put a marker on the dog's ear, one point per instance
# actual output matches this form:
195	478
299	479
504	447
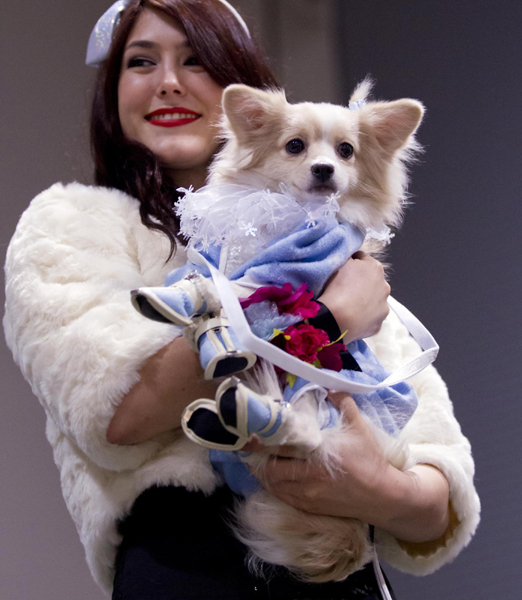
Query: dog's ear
392	123
250	110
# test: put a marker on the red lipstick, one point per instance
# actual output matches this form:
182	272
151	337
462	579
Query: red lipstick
172	117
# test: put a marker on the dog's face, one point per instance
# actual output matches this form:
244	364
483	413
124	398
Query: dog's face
311	152
317	150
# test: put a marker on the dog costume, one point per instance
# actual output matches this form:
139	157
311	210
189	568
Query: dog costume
261	238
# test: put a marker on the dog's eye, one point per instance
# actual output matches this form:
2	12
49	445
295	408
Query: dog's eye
345	150
295	146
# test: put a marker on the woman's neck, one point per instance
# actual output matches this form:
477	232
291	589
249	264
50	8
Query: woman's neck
190	177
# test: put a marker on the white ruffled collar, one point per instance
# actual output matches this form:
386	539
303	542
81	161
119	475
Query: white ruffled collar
246	219
220	214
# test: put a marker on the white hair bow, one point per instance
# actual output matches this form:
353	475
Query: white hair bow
102	34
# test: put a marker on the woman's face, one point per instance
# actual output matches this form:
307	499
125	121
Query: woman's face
166	100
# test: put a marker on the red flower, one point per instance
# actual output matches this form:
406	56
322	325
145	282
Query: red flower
330	358
296	303
302	341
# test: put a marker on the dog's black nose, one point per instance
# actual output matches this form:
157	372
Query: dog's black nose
323	172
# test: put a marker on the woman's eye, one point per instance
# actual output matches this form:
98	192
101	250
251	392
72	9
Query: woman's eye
193	61
345	150
295	146
139	62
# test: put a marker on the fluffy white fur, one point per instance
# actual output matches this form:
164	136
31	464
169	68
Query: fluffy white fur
76	254
369	182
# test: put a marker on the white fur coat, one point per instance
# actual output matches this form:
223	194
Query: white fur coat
75	255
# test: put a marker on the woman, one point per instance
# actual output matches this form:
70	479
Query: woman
114	384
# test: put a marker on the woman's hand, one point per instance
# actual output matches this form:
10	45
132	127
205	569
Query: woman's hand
357	297
412	505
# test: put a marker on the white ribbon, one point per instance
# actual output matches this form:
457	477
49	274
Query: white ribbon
380	577
293	365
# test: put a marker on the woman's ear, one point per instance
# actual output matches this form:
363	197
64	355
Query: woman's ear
250	111
392	123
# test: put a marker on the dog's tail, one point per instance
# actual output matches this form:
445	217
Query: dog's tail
313	548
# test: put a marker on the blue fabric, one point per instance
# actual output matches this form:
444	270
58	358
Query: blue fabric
181	272
180	302
258	415
207	350
391	407
312	253
234	472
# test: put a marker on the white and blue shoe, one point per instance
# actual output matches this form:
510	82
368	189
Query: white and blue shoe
246	413
233	419
202	425
186	304
220	352
178	303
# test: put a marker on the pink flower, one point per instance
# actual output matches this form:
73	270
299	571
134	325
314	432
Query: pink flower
302	341
296	303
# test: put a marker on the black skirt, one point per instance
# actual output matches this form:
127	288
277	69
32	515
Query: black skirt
177	546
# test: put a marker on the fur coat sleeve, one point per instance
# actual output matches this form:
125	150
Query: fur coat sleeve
76	254
434	437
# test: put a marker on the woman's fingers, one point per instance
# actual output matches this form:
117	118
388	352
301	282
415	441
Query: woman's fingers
255	445
289	464
299	495
346	405
278	469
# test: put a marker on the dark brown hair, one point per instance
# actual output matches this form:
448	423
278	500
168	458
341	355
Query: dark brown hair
229	56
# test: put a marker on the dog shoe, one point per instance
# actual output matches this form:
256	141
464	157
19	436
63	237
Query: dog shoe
178	303
245	413
220	352
202	425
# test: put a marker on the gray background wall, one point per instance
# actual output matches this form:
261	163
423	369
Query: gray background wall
455	262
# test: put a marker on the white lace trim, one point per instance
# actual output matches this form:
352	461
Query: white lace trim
383	236
244	219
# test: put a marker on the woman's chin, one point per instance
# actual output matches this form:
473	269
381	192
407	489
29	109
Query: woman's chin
185	156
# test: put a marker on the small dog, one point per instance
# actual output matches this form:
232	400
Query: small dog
318	155
317	150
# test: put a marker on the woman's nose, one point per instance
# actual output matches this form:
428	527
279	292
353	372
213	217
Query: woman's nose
170	84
